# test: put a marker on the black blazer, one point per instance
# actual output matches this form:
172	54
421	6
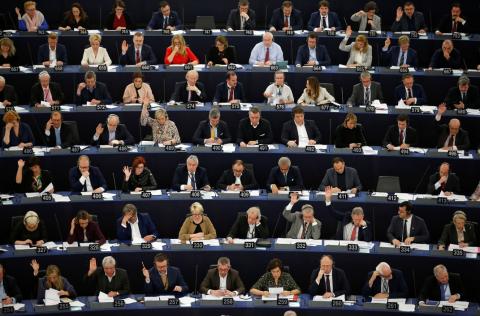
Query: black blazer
417	91
445	25
212	281
44	53
352	180
454	96
439	61
333	20
449	235
431	288
462	141
36	93
341	286
8	93
452	185
96	178
147	55
27	181
390	57
278	19
418	229
174	277
393	136
121	133
20	232
99	93
303	55
156	22
240	228
12	60
227	178
345	136
181	94
263	133
289	131
365	233
403	25
99	281
222	91
11	288
397	286
234	22
203	132
181	176
294	178
67	136
128	20
216	57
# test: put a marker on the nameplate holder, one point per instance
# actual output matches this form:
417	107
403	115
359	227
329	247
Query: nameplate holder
75	149
146	67
289	32
231	67
415	109
41	249
448	309
249	245
244	194
102	68
248	32
122	148
331	33
170	148
188	67
300	245
360	68
14	69
190	106
97	196
337	303
442	200
146	246
310	149
94	247
353	247
124	32
195	194
63	306
235	106
197	245
228	301
405	249
27	151
280	107
392	197
317	68
458	253
217	148
403	70
100	107
146	195
207	32
47	197
404	151
83	31
58	68
173	302
274	68
447	71
342	196
8	310
9	108
392	306
41	32
413	34
263	147
370	109
461	111
166	32
324	107
282	301
118	303
357	150
452	153
55	108
456	36
372	33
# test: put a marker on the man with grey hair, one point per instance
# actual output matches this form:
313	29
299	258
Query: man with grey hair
451	136
304	224
86	178
46	92
92	91
463	95
385	282
442	286
8	96
108	279
222	280
212	131
249	225
266	53
285	177
447	57
189	176
135	227
365	92
115	134
190	90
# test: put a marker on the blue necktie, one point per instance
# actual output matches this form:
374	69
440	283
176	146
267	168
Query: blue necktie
443	288
58	139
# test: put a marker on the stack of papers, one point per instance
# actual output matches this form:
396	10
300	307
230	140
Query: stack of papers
361	244
104	298
454	197
238	241
473	111
16	307
458	305
466	249
186	301
154	192
410	69
252	192
367	150
209	242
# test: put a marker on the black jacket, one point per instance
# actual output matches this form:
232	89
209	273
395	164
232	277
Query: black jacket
11	288
262	133
472	99
397	286
345	136
8	93
365	233
234	22
418	229
147	55
67	136
452	185
240	228
145	180
462	140
27	181
294	179
340	282
449	235
181	94
227	178
99	281
289	131
36	93
203	132
393	136
431	288
121	133
180	177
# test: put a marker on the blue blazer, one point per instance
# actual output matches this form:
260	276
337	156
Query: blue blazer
397	285
294	178
296	20
156	22
418	229
174	277
44	53
147	55
364	233
391	56
25	135
221	92
333	21
99	93
303	54
181	176
96	178
417	91
145	224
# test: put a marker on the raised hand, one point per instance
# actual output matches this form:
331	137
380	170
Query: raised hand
21	163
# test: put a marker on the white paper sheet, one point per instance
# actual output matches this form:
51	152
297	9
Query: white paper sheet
51	297
104	298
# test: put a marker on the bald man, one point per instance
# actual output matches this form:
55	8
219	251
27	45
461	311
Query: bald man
86	178
266	52
328	280
385	282
447	57
190	90
451	136
444	181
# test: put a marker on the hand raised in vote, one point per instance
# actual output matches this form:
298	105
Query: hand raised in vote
99	129
399	13
124	46
442	108
21	163
348	31
92	266
145	272
388	42
328	193
35	266
293	198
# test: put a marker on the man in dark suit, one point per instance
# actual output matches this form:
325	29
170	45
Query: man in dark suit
407	228
249	225
134	226
341	178
304	225
108	279
442	286
411	93
312	53
242	18
447	57
92	91
238	178
230	90
162	278
165	19
401	55
285	177
453	22
212	131
365	92
222	280
254	129
286	18
444	181
52	53
11	290
409	20
190	90
400	135
190	176
464	95
458	232
328	281
324	19
59	134
137	54
86	178
451	136
114	134
8	96
45	91
299	132
385	282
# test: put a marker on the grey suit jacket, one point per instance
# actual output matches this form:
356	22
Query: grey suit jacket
377	22
296	218
356	99
351	179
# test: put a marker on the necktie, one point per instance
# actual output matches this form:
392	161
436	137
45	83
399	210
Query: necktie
443	289
402	59
454	26
137	56
84	186
324	22
286	178
165	22
451	141
405	233
267	54
442	186
212	132
304	232
401	137
354	233
384	286
85	238
464	95
58	139
409	96
47	95
189	95
242	23
285	23
230	94
327	285
164	281
192	180
367	96
37	184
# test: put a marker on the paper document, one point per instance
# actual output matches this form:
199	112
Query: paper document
104	298
51	297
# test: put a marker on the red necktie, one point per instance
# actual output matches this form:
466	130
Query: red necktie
137	56
267	55
285	23
230	95
354	233
400	138
442	186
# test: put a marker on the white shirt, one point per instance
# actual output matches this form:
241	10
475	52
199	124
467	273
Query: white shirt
251	231
52	55
359	58
238	180
110	278
223	282
189	180
302	135
347	231
409	225
136	235
278	92
326	20
86	180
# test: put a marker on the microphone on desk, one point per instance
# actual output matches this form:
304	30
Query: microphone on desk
117	51
195	293
341	92
114	181
164	92
39	130
329	130
421	180
276	225
346	23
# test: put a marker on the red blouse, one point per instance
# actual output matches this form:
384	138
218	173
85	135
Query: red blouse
119	22
180	59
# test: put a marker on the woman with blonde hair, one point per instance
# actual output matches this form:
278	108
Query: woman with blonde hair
8	58
197	226
179	53
164	131
360	51
54	280
95	54
350	134
33	20
314	93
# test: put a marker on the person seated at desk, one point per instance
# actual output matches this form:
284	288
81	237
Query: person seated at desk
407	228
57	133
286	18
134	226
164	130
221	53
476	195
165	19
114	134
385	282
8	57
447	57
45	90
138	91
222	280
190	90
304	225
400	135
30	231
54	280
314	94
459	232
230	90
16	133
353	224
360	51
249	225
278	92
138	54
443	181
52	53
11	293
86	178
312	53
8	95
141	179
411	93
33	20
327	280
275	277
75	18
463	95
367	18
190	176
92	91
237	178
401	55
453	22
197	226
341	178
285	177
451	136
299	132
163	278
212	131
119	19
407	19
242	18
365	92
34	179
83	229
178	53
95	54
108	279
254	129
266	52
442	286
324	19
350	134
